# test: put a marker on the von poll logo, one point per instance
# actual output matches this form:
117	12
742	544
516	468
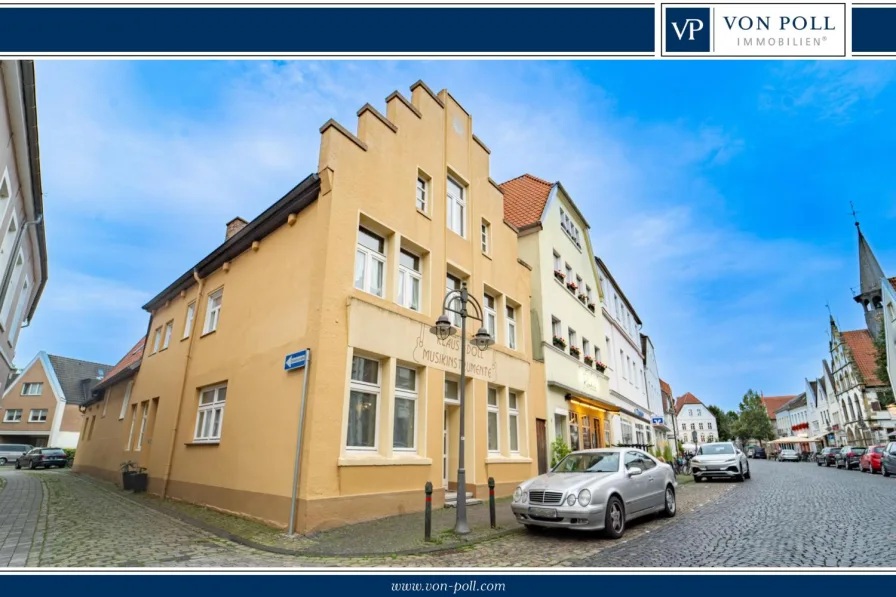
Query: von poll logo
754	30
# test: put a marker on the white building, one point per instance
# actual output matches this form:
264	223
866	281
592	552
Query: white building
888	290
695	422
23	248
792	420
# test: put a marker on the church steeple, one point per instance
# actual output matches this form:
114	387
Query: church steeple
870	295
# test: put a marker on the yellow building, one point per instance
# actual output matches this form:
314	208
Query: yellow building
353	264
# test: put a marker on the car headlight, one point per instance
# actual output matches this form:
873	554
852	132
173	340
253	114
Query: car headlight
517	494
584	497
571	499
525	496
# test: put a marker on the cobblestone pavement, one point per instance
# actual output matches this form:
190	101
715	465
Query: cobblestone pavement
788	514
19	514
83	524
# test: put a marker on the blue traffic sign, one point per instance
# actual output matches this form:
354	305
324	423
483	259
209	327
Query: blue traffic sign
296	360
657	420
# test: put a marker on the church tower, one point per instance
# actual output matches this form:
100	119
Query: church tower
870	295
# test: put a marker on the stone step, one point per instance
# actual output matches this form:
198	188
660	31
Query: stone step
452	495
470	502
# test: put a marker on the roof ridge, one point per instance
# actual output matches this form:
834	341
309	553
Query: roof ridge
527	175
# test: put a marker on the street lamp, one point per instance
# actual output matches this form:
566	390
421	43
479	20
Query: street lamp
443	329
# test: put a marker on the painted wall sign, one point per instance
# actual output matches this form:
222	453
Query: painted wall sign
445	355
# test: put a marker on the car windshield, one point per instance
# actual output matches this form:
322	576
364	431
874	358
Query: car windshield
835	450
589	462
879	450
714	449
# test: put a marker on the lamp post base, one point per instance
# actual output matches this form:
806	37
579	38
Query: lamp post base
461	527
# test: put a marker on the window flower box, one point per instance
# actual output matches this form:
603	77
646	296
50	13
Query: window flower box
574	351
589	360
559	275
592	307
559	342
583	298
600	366
572	286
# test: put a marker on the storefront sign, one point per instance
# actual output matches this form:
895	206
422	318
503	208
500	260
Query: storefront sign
589	382
445	354
640	413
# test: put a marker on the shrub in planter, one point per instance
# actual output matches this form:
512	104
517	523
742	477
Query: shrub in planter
69	456
592	307
559	275
128	470
600	366
572	286
583	298
559	342
574	351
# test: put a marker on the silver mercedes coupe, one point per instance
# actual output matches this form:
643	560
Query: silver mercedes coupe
593	490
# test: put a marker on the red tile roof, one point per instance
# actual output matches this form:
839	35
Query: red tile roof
686	399
133	356
664	387
861	345
524	199
773	403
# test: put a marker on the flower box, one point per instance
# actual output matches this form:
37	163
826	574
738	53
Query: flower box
583	298
589	360
559	275
592	307
574	351
559	342
572	286
600	366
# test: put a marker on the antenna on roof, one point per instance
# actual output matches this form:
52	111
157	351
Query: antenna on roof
854	214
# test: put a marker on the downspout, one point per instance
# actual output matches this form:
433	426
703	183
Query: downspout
7	274
183	385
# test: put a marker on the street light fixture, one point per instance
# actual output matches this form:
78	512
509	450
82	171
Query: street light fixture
457	301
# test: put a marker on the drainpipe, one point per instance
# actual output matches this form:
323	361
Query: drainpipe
183	385
7	274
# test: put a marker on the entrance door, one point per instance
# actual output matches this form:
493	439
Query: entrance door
445	450
595	433
541	436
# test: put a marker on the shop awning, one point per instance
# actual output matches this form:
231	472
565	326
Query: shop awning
792	440
585	399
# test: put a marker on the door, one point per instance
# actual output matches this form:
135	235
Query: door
655	482
636	489
541	438
445	450
595	433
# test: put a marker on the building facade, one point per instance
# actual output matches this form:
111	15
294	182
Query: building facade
23	248
652	388
888	292
696	424
568	332
673	437
41	406
397	214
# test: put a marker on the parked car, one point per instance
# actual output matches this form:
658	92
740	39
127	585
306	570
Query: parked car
827	457
9	452
720	460
888	462
599	489
848	457
42	457
759	452
870	460
788	455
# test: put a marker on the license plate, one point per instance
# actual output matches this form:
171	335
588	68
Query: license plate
713	467
543	512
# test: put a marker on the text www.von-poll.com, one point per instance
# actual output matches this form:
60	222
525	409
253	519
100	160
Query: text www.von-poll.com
470	586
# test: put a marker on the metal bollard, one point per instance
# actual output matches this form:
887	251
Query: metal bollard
427	517
491	501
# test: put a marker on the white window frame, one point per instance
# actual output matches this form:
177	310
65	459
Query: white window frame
188	319
456	382
491	315
454	317
24	295
456	207
32	384
422	196
572	337
370	257
38	411
406	279
12	415
126	400
206	411
496	409
143	419
586	347
366	388
127	448
169	329
556	328
17	273
5	201
513	421
156	340
558	262
568	272
511	327
411	396
485	233
105	401
213	311
7	243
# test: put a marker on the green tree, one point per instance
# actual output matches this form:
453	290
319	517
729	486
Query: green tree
885	397
724	423
559	450
752	419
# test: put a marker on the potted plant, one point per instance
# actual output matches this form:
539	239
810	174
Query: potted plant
559	342
592	307
574	351
559	275
128	470
572	286
583	298
139	480
600	366
589	360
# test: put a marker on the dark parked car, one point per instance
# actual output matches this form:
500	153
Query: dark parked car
827	457
888	460
759	452
45	457
848	457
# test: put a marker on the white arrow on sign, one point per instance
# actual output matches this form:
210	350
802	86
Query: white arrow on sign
293	359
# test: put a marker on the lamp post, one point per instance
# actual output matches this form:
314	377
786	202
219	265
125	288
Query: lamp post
458	301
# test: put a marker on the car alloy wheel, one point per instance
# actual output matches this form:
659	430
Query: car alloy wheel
614	521
671	507
2	461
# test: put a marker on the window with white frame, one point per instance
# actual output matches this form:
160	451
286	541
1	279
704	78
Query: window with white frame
133	424
169	329
32	388
404	429
700	426
156	340
452	390
422	193
558	264
363	406
105	401
568	273
7	246
213	311
573	338
409	280
573	430
579	283
485	233
126	400
690	412
603	286
12	415
588	294
699	412
451	284
143	419
370	262
709	425
626	432
491	317
622	363
37	415
892	311
556	328
586	347
511	327
188	320
493	443
24	295
597	353
17	273
457	207
5	193
210	416
513	416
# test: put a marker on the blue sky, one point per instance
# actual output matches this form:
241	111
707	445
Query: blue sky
718	192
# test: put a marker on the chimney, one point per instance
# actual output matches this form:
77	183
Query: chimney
234	226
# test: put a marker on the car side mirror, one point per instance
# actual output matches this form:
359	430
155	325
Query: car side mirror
24	453
634	471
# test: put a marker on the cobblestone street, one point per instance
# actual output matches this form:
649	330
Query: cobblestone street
78	523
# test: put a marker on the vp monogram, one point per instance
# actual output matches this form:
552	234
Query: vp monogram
690	27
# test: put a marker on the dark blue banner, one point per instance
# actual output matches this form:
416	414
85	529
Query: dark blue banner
328	30
874	29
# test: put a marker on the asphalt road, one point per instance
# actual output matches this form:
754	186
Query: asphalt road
788	514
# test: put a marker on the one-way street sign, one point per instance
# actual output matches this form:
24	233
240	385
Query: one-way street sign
296	360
